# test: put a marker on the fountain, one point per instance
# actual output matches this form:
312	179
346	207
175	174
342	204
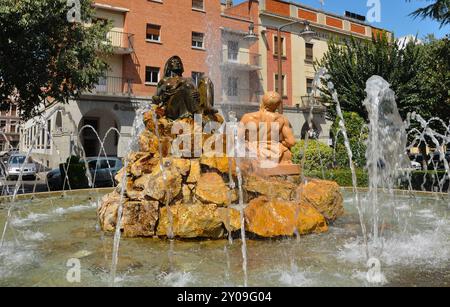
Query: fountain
202	202
176	185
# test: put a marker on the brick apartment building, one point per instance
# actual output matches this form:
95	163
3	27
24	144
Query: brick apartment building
9	129
211	38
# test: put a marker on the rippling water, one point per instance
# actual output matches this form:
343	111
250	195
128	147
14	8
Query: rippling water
46	234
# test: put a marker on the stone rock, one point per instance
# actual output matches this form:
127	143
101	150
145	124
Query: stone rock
231	218
192	221
187	194
182	165
219	163
144	165
195	172
139	218
324	195
276	218
212	189
107	212
159	188
273	188
148	142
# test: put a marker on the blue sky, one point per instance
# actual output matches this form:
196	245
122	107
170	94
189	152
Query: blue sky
394	15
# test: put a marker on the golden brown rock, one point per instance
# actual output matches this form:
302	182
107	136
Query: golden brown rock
107	212
139	218
271	187
212	189
269	219
219	163
231	218
194	173
182	165
148	142
324	195
192	221
162	186
144	165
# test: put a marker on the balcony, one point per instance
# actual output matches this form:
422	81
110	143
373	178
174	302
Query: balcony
122	42
240	95
113	86
241	60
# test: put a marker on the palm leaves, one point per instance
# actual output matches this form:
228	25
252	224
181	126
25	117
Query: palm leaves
438	11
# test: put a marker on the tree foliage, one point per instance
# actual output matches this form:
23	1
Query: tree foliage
318	154
357	133
44	58
439	11
419	74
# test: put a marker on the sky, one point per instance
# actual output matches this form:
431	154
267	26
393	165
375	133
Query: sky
393	13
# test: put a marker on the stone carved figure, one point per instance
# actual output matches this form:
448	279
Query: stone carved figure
278	149
179	97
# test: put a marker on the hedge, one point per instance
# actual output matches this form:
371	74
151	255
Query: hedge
344	178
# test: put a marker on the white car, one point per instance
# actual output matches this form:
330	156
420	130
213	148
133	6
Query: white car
18	164
416	166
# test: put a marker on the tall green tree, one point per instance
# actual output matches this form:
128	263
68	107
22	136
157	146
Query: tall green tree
438	10
44	56
352	63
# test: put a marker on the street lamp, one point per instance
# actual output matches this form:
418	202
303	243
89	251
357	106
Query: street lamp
307	34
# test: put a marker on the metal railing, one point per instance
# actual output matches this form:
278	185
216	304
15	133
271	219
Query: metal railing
121	40
236	57
113	86
241	95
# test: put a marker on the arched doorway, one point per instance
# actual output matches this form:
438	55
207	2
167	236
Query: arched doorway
94	126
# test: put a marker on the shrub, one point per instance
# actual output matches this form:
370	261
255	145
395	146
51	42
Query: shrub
317	156
343	177
357	134
76	173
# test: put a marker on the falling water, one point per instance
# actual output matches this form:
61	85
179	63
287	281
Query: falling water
233	121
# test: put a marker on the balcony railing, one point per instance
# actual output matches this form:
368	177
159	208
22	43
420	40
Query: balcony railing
241	59
311	101
113	86
232	95
121	41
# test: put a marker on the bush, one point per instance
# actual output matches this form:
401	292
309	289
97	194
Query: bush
343	177
426	180
318	155
76	173
357	134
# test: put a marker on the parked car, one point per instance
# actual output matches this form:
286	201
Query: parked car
103	170
416	166
18	163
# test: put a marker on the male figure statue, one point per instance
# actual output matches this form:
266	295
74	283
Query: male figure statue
278	137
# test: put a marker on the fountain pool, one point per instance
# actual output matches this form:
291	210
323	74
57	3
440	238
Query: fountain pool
48	235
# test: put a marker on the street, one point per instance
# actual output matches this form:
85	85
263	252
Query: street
27	186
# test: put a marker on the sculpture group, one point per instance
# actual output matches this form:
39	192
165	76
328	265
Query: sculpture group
194	197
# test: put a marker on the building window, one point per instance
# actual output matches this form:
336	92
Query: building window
284	85
309	52
13	127
233	51
198	5
151	75
2	124
153	33
309	86
275	46
197	40
14	111
49	133
197	76
232	89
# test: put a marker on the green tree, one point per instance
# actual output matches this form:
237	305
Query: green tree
44	58
439	11
408	68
